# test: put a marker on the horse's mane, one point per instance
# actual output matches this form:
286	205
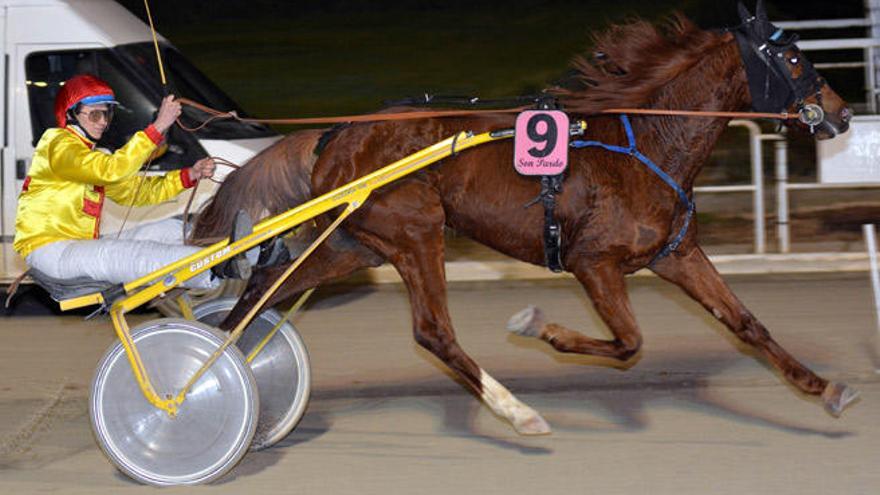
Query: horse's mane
631	61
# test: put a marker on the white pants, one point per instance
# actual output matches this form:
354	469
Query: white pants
136	252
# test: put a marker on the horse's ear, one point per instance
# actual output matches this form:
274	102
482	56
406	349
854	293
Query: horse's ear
761	11
744	13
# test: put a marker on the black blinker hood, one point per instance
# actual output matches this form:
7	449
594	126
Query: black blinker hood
769	89
763	47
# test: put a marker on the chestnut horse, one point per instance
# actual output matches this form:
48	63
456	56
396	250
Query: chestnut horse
616	214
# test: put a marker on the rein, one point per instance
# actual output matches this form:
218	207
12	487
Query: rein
425	114
218	115
696	113
192	195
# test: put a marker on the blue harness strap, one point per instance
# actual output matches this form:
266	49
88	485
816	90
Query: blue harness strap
633	151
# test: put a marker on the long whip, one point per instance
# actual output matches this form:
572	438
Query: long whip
143	171
156	45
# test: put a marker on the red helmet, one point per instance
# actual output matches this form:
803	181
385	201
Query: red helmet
84	88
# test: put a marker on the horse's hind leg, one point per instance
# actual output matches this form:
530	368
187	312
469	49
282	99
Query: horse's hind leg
604	283
694	273
325	264
413	243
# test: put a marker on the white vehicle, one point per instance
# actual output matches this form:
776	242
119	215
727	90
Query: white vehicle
45	42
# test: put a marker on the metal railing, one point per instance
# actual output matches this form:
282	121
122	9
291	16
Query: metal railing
756	139
825	23
871	245
783	187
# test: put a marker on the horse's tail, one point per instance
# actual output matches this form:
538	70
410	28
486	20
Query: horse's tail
274	181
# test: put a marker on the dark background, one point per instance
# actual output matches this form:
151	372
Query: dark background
338	56
713	12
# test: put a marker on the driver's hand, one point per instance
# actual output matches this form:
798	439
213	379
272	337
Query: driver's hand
168	113
202	169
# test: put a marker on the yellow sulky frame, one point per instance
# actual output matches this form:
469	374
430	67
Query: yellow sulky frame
352	195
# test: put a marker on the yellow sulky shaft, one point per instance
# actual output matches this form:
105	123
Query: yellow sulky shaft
352	195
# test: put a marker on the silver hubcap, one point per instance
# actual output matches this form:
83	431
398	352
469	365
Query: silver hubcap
214	426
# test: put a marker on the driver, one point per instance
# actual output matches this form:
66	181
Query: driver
57	225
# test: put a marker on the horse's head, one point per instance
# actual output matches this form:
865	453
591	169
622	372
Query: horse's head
781	79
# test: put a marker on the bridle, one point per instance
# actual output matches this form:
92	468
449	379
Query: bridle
772	84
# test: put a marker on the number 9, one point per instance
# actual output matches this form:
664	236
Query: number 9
549	136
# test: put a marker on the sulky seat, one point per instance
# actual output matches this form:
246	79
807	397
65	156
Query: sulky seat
61	289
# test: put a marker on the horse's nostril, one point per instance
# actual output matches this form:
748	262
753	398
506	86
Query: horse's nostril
846	114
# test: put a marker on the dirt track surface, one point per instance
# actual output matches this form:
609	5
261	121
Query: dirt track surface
693	415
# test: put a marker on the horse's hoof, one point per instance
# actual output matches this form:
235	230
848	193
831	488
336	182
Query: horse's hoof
533	425
837	396
527	322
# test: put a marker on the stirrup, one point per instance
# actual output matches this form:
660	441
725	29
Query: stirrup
239	266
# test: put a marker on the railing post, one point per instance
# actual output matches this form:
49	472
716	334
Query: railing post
757	159
871	245
758	196
871	79
872	8
781	151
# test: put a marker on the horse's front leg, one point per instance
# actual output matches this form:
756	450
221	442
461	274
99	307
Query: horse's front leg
694	273
604	283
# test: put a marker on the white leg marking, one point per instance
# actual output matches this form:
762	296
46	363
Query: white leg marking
503	403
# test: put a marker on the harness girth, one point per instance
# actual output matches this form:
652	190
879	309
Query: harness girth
551	185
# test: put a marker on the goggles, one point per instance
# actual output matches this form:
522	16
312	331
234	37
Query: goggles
95	115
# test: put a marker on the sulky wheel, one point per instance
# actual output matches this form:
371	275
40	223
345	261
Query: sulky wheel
213	427
281	369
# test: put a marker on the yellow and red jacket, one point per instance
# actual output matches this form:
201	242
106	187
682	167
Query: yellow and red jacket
63	194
